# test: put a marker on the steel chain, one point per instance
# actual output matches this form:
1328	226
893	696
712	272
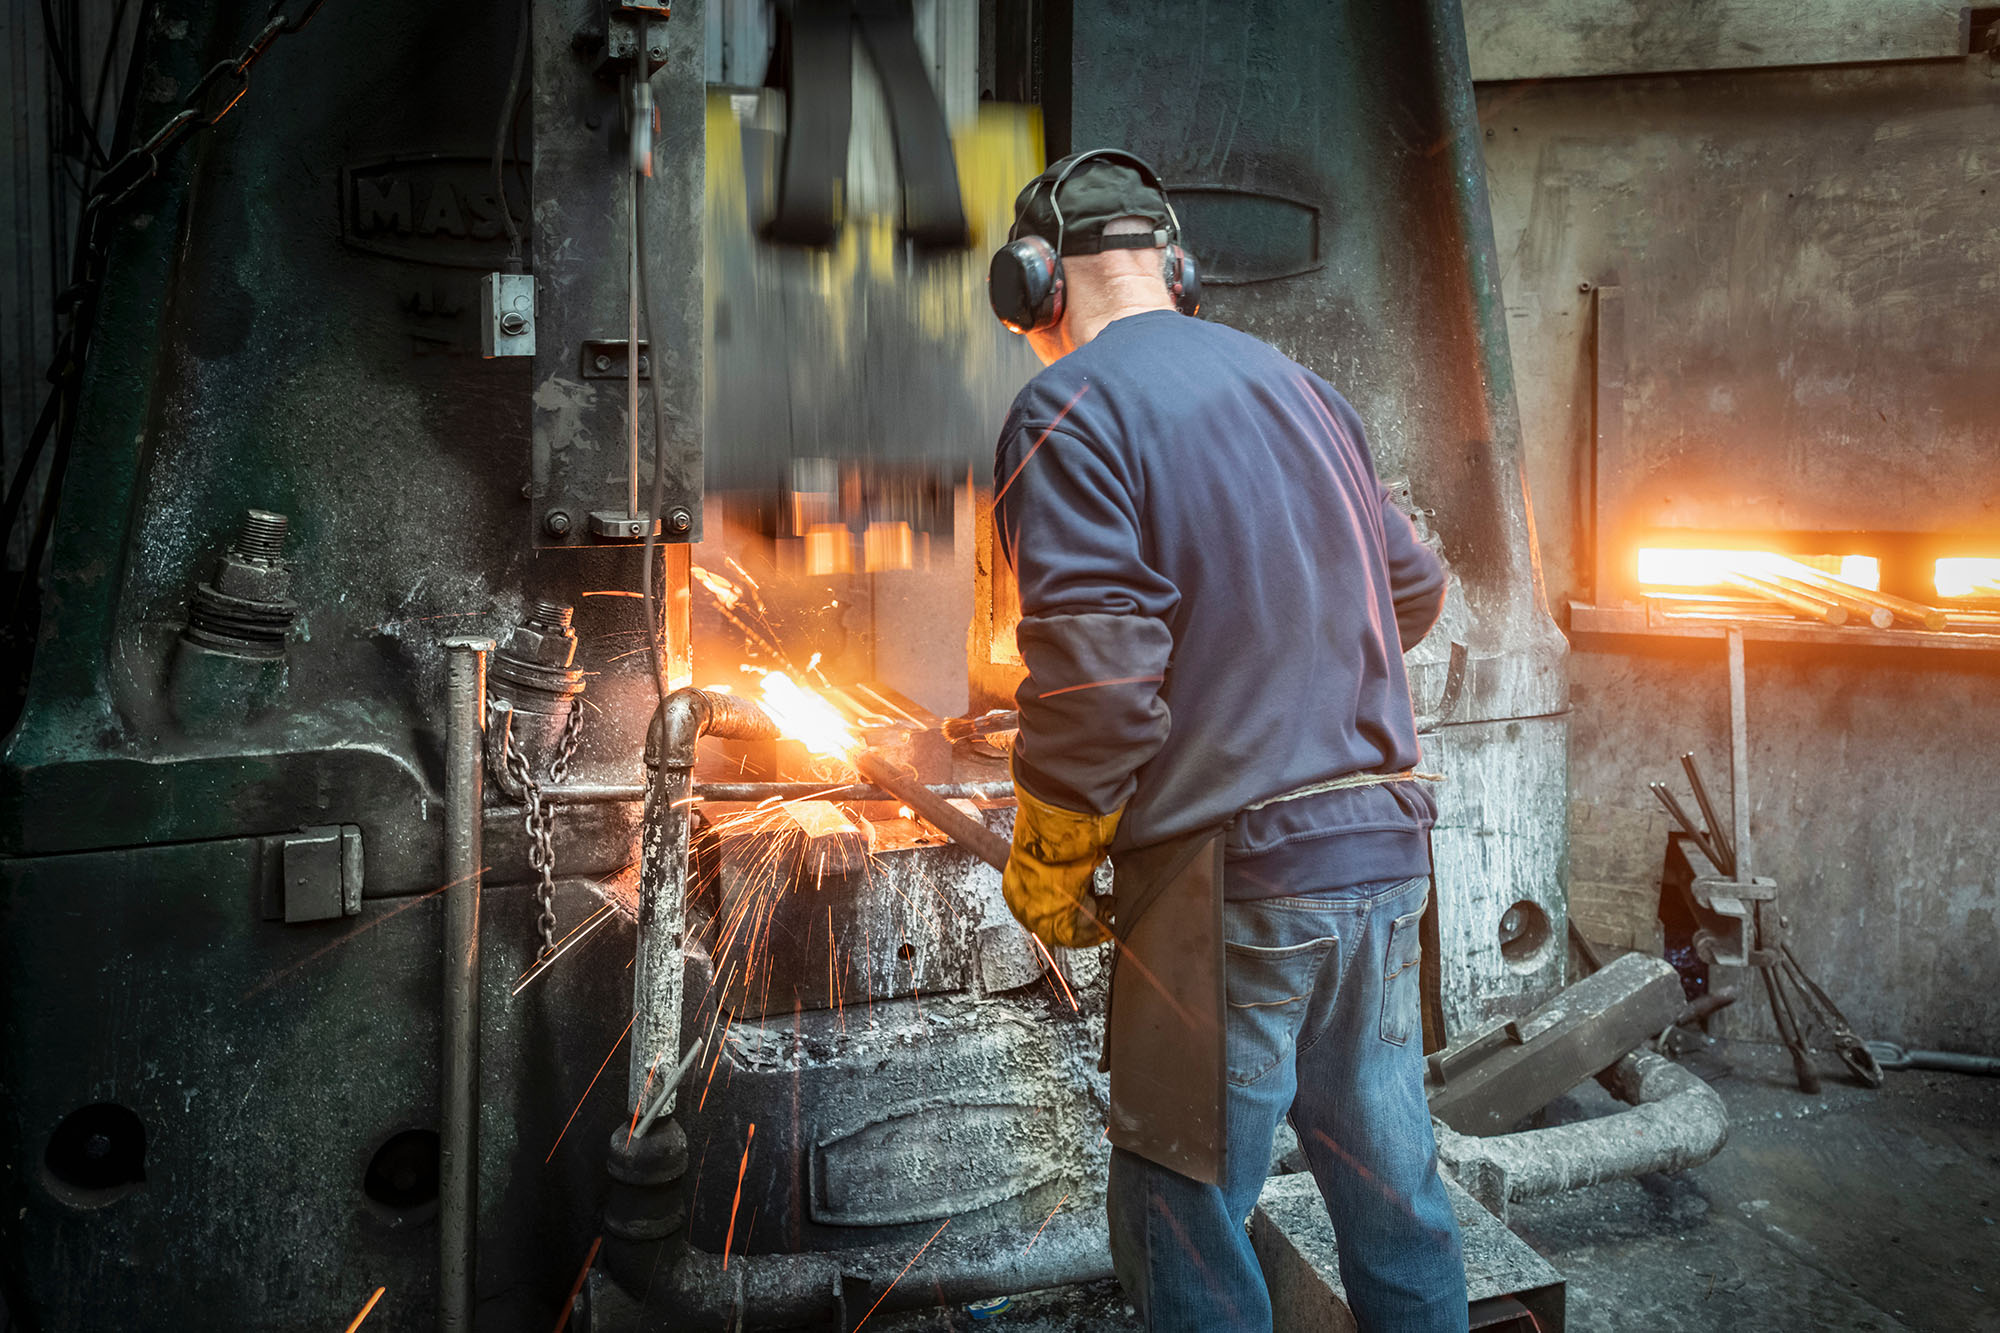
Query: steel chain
539	815
211	98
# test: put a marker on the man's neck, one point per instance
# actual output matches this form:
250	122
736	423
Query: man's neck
1126	296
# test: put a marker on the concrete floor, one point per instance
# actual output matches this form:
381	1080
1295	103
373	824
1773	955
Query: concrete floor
1853	1209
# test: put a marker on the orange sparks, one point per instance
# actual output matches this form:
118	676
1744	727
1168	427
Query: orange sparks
365	1309
899	1277
1056	972
582	1273
1039	442
593	1083
734	1203
1096	684
1045	1224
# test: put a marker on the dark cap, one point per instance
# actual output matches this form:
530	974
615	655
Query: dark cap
1101	187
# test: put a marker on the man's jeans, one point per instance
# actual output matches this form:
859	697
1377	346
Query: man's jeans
1324	1023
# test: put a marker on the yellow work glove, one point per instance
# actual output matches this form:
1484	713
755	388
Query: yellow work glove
1047	880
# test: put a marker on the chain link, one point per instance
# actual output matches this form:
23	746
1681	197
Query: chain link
211	98
539	817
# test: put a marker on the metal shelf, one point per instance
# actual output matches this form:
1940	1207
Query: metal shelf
1587	619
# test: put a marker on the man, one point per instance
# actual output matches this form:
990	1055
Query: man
1215	596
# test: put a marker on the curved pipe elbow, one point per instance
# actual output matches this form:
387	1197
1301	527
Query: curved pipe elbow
688	714
1676	1122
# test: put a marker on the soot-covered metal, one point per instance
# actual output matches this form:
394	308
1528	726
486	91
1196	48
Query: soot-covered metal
836	1075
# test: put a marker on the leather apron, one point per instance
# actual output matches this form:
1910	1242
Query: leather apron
1165	1033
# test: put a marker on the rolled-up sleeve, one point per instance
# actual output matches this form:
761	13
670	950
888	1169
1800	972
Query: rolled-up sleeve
1093	630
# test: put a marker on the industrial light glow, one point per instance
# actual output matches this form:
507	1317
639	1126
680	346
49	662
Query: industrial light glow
1968	576
1703	568
804	716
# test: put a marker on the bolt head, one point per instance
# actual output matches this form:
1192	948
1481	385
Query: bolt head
556	523
543	647
513	324
645	363
632	530
601	361
680	520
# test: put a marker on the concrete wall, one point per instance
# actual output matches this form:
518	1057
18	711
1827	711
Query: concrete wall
1809	262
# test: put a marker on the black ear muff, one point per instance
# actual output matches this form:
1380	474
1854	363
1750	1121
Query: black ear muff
1024	285
1183	282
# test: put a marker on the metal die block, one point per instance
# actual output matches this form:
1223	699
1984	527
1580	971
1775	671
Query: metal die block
507	315
884	1122
320	872
1296	1249
1486	1082
807	915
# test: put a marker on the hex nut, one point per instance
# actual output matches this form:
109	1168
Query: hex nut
556	523
541	647
252	580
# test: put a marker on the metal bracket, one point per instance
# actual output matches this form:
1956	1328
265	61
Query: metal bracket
507	315
1728	910
604	359
319	873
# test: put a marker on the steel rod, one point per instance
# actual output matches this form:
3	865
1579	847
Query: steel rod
1818	608
458	1185
1715	829
811	791
954	823
608	793
1844	595
1739	759
1901	608
1679	816
632	350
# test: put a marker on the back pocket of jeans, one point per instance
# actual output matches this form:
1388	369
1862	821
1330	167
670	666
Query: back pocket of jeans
1267	991
1402	991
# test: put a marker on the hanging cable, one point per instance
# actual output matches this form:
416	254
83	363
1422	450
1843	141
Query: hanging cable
509	109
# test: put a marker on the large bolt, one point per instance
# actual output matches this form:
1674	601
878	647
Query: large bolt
601	362
552	615
262	536
680	520
556	523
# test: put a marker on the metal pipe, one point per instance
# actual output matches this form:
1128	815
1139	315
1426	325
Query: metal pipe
811	791
1739	758
1676	1122
611	793
954	823
458	1184
683	718
815	1290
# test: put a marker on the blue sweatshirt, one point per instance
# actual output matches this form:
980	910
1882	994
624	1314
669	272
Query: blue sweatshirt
1215	597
